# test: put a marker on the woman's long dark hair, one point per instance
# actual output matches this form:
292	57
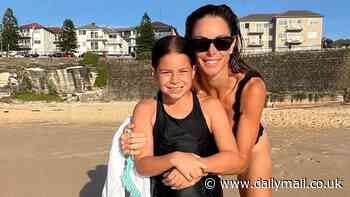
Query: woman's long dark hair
236	62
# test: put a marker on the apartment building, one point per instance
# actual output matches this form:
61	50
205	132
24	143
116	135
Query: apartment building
161	30
37	39
130	33
257	33
100	40
287	31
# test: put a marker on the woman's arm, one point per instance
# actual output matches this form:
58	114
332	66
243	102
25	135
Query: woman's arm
149	165
252	105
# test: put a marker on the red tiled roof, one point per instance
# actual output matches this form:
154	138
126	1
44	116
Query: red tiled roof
32	26
55	29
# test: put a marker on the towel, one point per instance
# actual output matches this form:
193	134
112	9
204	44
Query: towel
116	163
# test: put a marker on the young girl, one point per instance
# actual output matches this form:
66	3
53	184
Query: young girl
184	132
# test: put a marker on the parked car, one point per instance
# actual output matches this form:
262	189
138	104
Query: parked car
68	54
58	54
21	54
34	55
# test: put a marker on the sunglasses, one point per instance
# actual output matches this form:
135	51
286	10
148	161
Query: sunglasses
203	44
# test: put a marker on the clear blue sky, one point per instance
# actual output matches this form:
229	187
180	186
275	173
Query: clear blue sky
174	12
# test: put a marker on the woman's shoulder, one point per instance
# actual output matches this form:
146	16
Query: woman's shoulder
254	88
251	80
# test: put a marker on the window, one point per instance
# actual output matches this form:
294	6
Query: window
242	26
127	34
82	32
312	35
313	21
94	34
247	25
299	21
113	36
283	22
259	27
37	41
94	45
282	36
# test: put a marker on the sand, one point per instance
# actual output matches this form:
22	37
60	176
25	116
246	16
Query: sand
62	149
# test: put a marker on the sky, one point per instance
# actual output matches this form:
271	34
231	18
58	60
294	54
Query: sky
123	13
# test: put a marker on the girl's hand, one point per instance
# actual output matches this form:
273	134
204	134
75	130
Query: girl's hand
189	165
177	181
132	143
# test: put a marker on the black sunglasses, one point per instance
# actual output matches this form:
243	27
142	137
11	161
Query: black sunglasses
203	44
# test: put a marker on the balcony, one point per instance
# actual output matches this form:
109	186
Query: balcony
255	31
294	28
255	44
97	38
294	40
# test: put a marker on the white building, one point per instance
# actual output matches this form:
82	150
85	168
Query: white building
37	39
101	40
288	31
130	33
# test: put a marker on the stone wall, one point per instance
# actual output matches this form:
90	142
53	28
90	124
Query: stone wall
314	72
130	80
319	71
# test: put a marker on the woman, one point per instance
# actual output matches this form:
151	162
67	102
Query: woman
216	40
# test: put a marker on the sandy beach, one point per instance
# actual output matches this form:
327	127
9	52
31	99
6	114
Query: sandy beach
57	149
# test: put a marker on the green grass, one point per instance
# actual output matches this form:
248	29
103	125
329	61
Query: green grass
29	96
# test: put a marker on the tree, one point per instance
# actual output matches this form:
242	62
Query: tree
145	39
342	43
10	33
327	42
68	37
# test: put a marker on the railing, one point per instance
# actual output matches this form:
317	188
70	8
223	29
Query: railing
255	31
255	44
294	40
294	28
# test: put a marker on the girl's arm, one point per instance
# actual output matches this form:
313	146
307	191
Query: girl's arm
227	160
149	165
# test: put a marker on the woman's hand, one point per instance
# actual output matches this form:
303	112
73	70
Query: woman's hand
132	143
177	181
189	165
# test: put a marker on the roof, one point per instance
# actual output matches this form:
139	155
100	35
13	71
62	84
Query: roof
32	26
55	29
289	13
39	26
158	24
299	13
89	26
162	27
120	29
258	17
